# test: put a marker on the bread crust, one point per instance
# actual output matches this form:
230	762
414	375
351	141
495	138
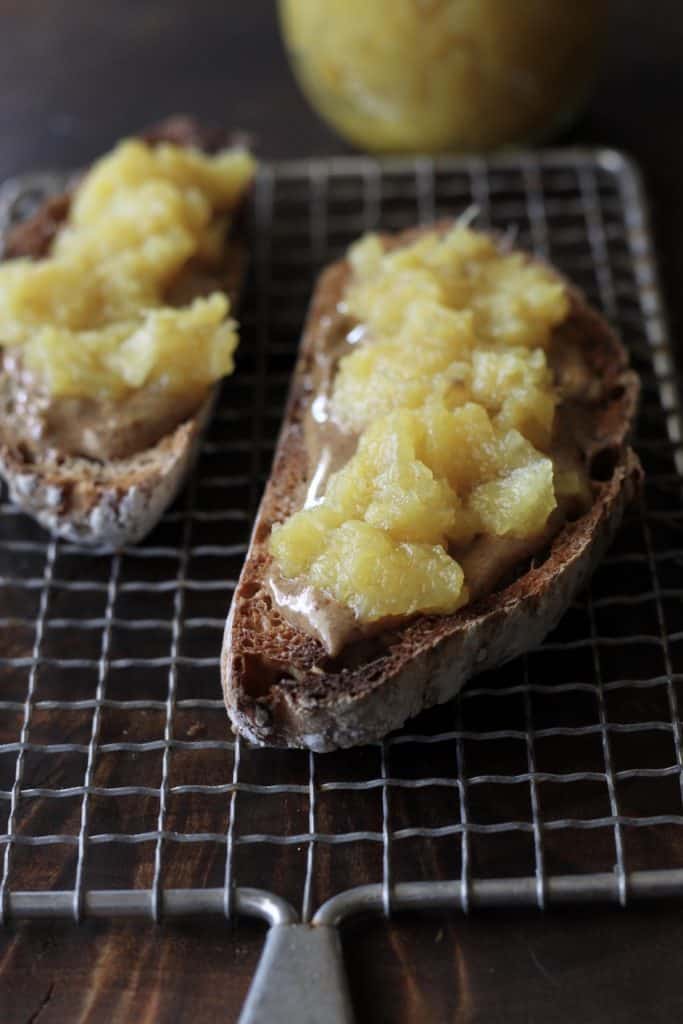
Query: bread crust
108	505
115	503
280	686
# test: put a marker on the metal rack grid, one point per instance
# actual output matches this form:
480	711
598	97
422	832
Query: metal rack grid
557	777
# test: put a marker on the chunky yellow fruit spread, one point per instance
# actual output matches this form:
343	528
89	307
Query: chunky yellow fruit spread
445	386
130	295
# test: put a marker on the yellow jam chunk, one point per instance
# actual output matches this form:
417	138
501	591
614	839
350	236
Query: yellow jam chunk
427	307
92	317
452	399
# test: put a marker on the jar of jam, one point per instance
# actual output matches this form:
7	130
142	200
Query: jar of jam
434	75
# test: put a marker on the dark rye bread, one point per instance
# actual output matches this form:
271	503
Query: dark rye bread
116	502
281	687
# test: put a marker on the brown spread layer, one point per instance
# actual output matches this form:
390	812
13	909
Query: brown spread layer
100	429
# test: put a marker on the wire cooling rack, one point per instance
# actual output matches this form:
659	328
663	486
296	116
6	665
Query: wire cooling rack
557	777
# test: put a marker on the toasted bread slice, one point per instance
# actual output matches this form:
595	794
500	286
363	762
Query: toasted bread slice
283	689
113	503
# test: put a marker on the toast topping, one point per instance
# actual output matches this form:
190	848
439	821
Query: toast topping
446	391
129	301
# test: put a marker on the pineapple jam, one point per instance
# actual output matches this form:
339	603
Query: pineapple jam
117	334
437	455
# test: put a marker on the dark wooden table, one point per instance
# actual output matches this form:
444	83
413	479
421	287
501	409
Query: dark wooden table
74	76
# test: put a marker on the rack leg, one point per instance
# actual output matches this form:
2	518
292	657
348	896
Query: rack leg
300	978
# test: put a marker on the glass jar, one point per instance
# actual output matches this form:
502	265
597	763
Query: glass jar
431	75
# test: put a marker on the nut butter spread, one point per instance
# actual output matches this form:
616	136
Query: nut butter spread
115	336
442	434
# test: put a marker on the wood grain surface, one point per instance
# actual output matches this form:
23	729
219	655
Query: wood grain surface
73	77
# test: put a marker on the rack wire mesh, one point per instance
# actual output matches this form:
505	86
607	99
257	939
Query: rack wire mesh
117	769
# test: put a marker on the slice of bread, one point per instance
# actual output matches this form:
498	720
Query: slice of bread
117	502
283	689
